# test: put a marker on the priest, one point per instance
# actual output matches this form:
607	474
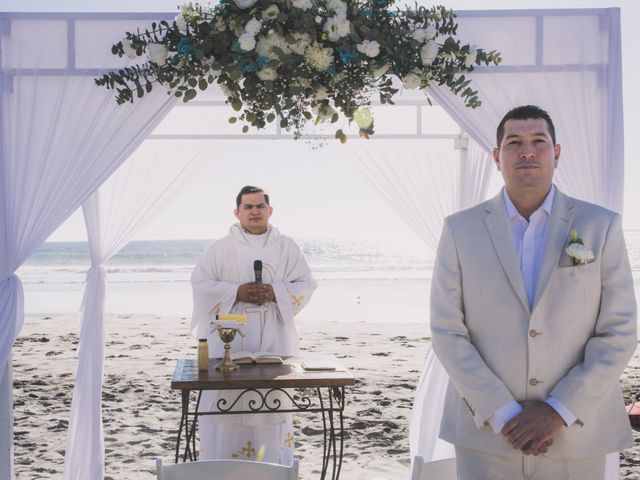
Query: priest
228	279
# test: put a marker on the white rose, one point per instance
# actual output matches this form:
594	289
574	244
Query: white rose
470	59
429	52
302	4
243	4
253	26
181	23
157	53
271	13
581	253
370	49
267	74
128	49
247	42
318	19
337	6
431	32
412	81
336	28
379	71
419	34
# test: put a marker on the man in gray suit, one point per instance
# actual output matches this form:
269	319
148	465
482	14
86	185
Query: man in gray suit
533	316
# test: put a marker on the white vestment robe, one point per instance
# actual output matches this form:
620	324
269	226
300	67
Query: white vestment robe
222	268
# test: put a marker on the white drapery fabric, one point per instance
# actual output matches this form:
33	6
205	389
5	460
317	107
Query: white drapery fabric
113	214
423	181
570	65
61	137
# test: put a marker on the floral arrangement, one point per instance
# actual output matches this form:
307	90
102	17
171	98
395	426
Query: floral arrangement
580	255
299	60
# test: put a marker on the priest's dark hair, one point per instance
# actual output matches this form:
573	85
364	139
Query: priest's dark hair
525	112
250	189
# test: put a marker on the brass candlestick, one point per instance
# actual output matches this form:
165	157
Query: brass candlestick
227	335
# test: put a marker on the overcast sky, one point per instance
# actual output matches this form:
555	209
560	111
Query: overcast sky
339	204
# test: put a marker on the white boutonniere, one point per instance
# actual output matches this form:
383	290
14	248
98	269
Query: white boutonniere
580	255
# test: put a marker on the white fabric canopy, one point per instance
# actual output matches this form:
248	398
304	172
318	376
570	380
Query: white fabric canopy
113	214
62	136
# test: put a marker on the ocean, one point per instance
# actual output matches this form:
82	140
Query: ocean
357	281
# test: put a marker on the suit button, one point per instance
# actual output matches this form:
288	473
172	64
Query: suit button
534	381
533	333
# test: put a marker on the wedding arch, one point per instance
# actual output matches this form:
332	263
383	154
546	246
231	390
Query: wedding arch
62	139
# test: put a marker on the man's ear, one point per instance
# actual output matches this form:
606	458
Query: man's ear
556	153
235	212
496	157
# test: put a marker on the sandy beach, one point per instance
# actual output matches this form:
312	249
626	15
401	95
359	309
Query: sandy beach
141	413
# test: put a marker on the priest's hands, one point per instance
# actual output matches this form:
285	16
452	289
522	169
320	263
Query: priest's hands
256	293
533	430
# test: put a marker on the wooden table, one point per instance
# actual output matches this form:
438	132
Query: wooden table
316	391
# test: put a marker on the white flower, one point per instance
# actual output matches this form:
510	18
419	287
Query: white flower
243	4
580	254
370	49
336	28
318	19
271	13
181	23
420	34
267	74
431	32
338	7
470	59
302	41
379	71
221	25
321	93
266	45
429	52
157	53
302	4
236	27
253	26
318	57
412	80
247	42
127	48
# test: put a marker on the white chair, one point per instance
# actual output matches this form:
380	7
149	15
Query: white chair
436	470
226	470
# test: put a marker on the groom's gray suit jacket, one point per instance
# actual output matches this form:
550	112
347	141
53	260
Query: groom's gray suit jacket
573	344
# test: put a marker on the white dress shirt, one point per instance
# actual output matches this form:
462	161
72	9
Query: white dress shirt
529	240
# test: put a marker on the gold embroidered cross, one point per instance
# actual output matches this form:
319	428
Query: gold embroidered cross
248	451
296	300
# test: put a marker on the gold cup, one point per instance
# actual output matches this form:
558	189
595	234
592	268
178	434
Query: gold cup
227	335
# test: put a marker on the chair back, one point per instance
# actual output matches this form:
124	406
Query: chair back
436	470
226	470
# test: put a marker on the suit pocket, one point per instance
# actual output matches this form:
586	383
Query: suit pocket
573	271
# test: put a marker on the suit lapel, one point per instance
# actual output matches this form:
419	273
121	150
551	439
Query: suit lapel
557	237
500	234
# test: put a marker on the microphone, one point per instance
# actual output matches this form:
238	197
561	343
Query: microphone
257	269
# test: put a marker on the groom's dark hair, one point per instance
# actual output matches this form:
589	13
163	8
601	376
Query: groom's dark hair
525	112
250	189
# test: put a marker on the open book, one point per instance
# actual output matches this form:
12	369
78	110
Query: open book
257	357
320	363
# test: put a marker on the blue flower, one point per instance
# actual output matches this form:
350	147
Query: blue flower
261	61
346	55
184	47
244	65
331	71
